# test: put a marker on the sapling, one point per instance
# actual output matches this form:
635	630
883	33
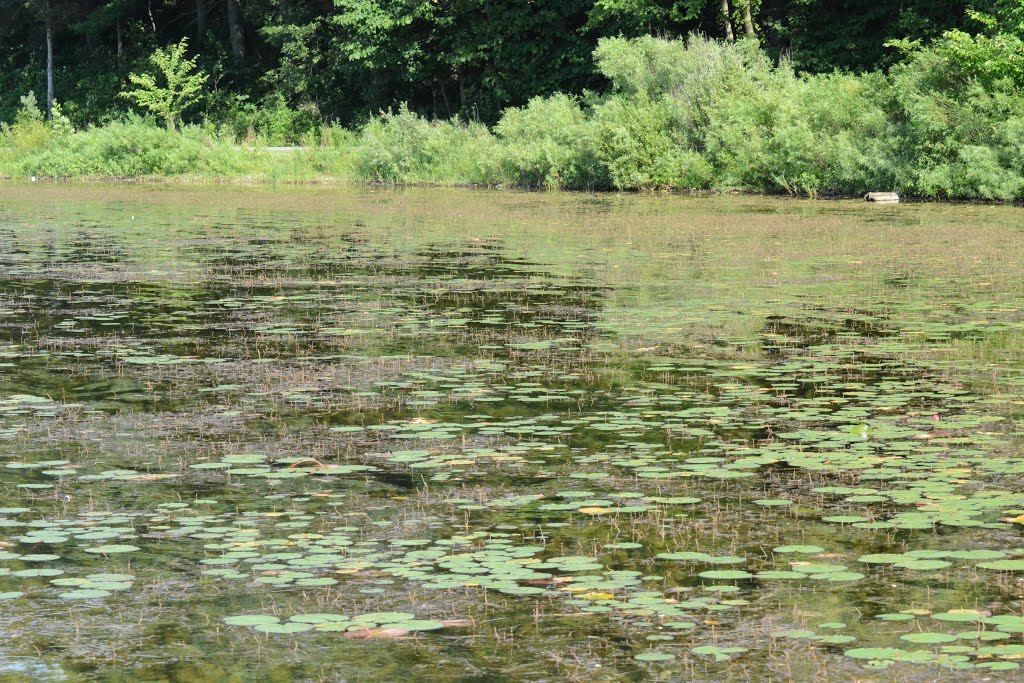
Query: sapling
174	87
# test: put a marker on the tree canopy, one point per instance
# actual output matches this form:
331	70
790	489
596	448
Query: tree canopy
344	60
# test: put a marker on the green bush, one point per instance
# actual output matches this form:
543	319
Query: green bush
30	131
683	113
404	147
694	79
640	148
549	143
269	122
959	132
806	135
135	147
171	87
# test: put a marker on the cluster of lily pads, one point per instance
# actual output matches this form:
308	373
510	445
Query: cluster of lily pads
371	624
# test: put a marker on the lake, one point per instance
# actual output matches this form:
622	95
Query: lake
465	435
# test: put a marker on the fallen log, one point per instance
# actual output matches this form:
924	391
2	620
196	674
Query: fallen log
882	197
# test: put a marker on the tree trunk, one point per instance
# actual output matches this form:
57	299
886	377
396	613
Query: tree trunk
447	104
49	62
728	22
284	10
200	21
236	31
120	41
748	20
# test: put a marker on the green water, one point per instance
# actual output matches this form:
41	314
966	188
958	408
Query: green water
375	435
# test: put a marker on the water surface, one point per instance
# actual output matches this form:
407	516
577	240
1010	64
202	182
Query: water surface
366	434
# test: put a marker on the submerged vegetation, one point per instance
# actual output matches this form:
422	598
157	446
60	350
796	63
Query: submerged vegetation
370	433
946	121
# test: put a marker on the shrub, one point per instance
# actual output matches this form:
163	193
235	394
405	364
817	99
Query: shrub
270	122
135	147
31	131
404	147
960	133
549	143
948	121
694	78
805	135
638	145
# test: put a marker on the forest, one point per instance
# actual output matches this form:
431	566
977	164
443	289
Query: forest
795	96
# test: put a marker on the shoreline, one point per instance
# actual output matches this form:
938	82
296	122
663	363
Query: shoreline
333	181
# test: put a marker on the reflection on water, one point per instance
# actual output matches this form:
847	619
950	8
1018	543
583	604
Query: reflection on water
30	668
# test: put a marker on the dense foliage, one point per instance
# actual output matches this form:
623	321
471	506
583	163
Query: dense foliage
344	60
944	118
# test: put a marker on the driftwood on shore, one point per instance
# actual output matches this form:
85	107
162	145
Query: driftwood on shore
882	197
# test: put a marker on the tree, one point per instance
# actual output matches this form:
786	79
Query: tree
748	18
448	57
348	59
49	60
235	30
993	57
182	84
46	11
726	15
821	36
634	18
201	18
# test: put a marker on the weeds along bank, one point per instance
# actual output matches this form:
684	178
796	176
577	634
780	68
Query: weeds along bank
948	121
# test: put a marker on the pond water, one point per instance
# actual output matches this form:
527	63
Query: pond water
452	435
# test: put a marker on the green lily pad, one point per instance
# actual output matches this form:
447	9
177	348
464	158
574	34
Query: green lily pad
1003	565
112	549
803	549
725	574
